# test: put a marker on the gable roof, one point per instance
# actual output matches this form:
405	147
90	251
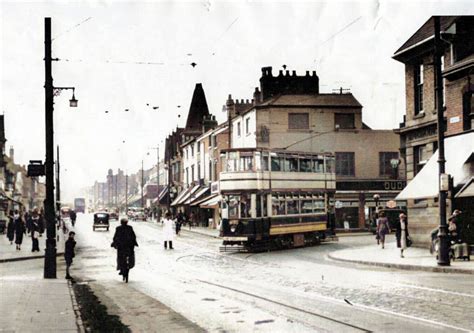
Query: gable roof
425	33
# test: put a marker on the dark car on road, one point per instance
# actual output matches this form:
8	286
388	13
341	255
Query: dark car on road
101	220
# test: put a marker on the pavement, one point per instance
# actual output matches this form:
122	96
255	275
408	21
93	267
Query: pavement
31	301
414	259
8	251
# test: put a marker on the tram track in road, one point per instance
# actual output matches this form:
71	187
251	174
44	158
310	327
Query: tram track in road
288	306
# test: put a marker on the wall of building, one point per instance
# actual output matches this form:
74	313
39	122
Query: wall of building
245	139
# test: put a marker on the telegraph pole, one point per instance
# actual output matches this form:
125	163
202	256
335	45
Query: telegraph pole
58	183
50	254
443	257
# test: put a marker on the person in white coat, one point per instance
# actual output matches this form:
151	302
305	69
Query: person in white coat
168	231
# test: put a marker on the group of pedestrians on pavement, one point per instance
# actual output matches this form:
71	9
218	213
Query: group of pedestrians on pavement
401	231
19	224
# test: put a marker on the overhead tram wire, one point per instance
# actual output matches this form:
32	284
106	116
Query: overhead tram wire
72	28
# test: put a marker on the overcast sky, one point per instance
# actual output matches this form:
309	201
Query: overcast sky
101	44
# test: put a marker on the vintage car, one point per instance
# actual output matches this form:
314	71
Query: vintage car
101	220
113	214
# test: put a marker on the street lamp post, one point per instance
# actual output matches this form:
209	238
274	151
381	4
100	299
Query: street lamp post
443	257
49	209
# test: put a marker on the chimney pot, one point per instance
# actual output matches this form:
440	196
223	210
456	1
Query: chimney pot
287	72
307	73
247	101
280	72
294	73
314	73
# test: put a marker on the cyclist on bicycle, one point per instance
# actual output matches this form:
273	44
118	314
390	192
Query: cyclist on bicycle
125	242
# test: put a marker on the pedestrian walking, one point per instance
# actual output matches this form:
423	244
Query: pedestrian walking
179	223
125	241
168	233
11	228
383	228
404	236
35	232
69	252
20	229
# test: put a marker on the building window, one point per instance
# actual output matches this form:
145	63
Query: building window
418	89
199	170
385	166
344	121
198	147
238	128
187	175
345	164
298	120
192	173
192	150
420	157
468	111
247	126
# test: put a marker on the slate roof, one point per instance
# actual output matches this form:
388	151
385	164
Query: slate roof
197	110
319	100
426	31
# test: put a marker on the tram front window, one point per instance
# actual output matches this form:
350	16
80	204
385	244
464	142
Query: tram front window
245	206
234	206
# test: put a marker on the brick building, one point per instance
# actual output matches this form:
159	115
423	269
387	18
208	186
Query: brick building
289	113
418	131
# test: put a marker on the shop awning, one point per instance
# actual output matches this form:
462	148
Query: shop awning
202	199
467	190
211	202
458	150
184	195
196	196
162	195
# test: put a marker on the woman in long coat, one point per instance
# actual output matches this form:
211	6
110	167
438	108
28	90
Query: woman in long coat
168	232
383	228
11	228
403	233
20	229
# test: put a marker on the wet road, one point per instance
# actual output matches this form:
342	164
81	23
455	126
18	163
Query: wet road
291	291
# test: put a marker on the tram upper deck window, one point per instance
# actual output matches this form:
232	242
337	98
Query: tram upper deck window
291	164
318	165
306	206
246	163
277	163
330	164
305	165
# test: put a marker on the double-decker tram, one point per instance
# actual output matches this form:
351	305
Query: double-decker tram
275	199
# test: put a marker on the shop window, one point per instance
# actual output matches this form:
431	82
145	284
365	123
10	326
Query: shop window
385	166
418	88
344	121
345	164
298	120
